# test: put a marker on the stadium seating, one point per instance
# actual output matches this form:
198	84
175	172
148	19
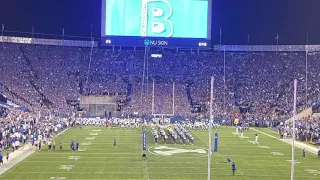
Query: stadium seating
34	76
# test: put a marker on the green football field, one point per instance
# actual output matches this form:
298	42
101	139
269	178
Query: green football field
99	160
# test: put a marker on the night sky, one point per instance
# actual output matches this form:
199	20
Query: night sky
261	19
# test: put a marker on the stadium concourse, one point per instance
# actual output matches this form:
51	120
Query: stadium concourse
43	79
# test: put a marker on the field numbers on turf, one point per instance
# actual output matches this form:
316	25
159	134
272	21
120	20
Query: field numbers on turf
277	153
96	130
295	161
58	178
313	171
93	134
74	157
86	143
82	150
66	167
90	138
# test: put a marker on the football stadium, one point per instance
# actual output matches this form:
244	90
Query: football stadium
159	90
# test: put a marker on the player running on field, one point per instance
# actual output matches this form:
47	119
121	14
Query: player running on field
114	142
304	152
256	140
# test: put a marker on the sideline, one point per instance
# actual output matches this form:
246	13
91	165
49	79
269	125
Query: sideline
20	154
298	144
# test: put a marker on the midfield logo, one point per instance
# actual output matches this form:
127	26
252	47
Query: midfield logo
169	151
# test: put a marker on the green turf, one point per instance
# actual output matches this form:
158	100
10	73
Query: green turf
102	161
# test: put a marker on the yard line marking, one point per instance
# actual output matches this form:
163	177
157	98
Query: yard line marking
58	178
74	157
315	177
86	143
313	171
90	138
66	167
295	161
277	153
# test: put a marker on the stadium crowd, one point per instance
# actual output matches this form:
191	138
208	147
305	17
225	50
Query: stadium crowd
44	78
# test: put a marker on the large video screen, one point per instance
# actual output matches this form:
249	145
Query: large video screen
157	18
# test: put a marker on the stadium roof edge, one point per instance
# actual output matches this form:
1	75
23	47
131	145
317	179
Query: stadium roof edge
229	48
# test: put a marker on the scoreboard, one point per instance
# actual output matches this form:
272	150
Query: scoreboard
164	23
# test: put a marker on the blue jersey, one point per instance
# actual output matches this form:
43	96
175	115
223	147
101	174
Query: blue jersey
114	140
233	166
229	160
1	157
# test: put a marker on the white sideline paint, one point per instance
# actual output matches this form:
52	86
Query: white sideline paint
66	167
289	141
264	147
96	130
93	134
